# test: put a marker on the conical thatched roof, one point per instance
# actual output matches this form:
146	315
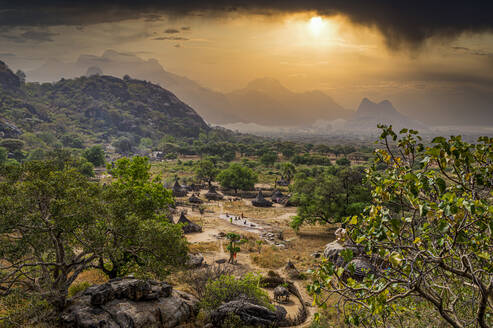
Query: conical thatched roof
282	182
212	194
277	196
194	199
260	201
178	191
188	226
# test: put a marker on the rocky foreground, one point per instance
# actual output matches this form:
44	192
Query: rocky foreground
130	302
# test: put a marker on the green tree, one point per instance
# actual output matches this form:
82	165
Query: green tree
3	155
233	246
343	161
12	145
123	145
139	234
48	228
95	155
428	233
268	158
323	197
73	141
206	170
237	177
287	170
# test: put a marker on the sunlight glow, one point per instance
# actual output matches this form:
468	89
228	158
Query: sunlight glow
316	25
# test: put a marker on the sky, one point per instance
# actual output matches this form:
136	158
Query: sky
435	55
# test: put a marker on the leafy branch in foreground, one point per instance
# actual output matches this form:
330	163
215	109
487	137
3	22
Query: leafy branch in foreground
428	235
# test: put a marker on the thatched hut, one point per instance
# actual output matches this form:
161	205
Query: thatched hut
282	182
188	226
212	194
178	190
260	201
195	199
277	196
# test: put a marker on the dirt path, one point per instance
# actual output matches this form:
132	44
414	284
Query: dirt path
219	220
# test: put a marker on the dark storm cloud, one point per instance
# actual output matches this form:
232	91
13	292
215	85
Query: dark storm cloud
38	36
173	38
401	22
153	18
476	52
171	31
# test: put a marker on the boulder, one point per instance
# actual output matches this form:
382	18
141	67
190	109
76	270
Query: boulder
361	266
249	313
129	302
195	260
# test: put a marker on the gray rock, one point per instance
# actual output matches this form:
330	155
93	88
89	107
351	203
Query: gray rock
195	260
359	268
249	313
122	303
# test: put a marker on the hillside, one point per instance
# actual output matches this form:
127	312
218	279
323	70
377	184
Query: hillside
263	101
96	108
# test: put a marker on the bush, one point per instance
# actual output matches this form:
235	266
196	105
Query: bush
343	162
21	311
95	155
78	287
228	288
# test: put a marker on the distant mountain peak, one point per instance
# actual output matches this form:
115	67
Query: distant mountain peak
368	107
370	113
266	84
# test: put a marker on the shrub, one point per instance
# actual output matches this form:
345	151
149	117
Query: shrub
78	287
228	288
343	162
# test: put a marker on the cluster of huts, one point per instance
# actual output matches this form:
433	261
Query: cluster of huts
179	190
277	197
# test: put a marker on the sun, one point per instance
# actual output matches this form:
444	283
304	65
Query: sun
316	25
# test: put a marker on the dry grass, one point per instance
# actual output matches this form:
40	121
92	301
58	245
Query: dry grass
270	258
204	247
92	276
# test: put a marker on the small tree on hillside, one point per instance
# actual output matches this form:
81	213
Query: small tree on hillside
233	246
206	170
237	177
268	158
95	155
287	170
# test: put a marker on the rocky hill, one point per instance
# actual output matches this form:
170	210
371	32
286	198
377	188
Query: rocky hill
98	108
370	114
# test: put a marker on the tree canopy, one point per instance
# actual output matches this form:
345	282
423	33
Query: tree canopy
237	177
428	234
325	196
55	223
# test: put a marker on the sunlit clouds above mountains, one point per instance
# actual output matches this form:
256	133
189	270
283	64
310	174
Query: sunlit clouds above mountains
431	60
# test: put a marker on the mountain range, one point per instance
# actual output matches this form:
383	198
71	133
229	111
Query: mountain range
262	101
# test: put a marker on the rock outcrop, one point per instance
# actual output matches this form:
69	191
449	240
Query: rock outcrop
128	302
360	264
249	313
